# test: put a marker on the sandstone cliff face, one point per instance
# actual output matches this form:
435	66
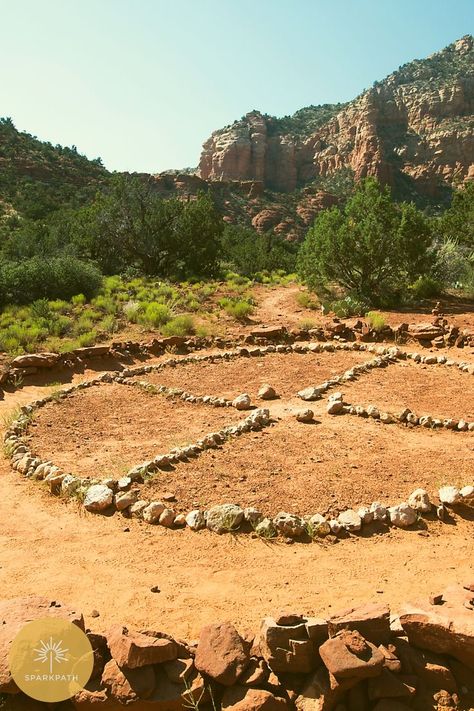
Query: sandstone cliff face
414	131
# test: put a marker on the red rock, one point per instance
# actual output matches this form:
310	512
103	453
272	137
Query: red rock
424	331
241	698
372	621
91	351
256	673
126	685
322	691
178	669
101	653
35	360
221	653
287	648
391	662
271	333
429	667
448	629
135	649
388	685
14	614
349	656
86	699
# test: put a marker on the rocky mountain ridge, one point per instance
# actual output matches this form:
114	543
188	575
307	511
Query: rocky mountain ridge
414	131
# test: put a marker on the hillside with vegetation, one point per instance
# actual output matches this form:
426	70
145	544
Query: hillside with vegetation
37	178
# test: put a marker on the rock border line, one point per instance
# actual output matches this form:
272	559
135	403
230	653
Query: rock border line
101	495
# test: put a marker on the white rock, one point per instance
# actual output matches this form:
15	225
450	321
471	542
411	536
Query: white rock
379	511
402	515
136	509
366	515
253	516
267	392
319	526
196	520
125	499
449	495
335	526
153	511
98	497
224	518
242	402
69	485
334	407
420	501
266	529
304	415
167	518
467	493
309	394
350	520
289	524
124	483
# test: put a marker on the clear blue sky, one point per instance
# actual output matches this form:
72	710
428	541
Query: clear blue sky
142	83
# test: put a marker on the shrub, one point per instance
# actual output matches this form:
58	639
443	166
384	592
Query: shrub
39	278
303	299
375	320
155	314
78	300
179	326
349	306
425	287
306	324
237	308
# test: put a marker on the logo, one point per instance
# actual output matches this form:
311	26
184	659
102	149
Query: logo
51	659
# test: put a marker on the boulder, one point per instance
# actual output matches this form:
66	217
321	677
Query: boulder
167	518
424	331
350	656
289	524
14	614
242	698
136	649
445	629
289	647
126	685
153	512
322	692
419	500
267	392
123	500
98	498
304	415
467	493
350	520
309	394
242	402
224	518
388	685
372	621
402	515
35	360
196	520
221	653
449	495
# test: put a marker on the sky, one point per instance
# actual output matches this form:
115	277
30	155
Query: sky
142	83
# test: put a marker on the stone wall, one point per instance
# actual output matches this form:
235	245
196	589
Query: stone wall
359	659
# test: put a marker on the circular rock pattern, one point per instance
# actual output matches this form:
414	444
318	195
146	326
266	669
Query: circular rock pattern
106	494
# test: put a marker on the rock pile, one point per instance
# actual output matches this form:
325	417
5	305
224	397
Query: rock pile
361	658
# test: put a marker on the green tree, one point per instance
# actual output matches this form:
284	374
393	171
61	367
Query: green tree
373	247
131	226
457	223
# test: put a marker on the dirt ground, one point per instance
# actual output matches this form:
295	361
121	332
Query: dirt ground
128	426
287	373
440	391
51	547
335	464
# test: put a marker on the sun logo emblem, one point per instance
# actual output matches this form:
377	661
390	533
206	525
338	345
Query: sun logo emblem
51	652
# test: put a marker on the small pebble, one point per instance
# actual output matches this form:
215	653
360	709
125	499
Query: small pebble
155	589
